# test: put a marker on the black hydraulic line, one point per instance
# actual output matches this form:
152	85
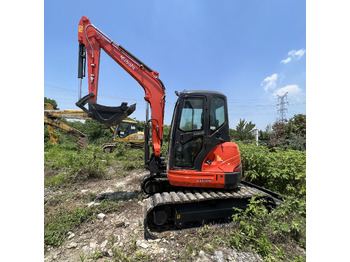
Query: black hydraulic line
136	59
82	61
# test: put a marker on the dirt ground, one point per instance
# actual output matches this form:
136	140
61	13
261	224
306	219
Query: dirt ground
122	232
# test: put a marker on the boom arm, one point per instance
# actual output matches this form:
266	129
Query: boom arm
91	41
52	119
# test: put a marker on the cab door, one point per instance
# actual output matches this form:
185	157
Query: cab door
189	132
199	124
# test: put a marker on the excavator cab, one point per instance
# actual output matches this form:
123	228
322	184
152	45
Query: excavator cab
199	124
126	128
200	151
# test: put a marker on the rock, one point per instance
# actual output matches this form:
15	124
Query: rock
93	203
84	191
219	256
245	256
120	224
104	244
72	245
209	247
93	245
71	235
101	216
110	253
85	249
203	257
143	245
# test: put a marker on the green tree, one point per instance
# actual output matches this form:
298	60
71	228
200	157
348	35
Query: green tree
166	133
296	127
52	102
267	134
94	130
243	130
279	130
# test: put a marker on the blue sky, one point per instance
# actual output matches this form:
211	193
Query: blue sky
251	51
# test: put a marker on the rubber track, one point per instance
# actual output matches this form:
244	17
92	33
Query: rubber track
197	195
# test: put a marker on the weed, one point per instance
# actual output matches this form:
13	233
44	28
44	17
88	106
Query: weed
112	241
96	255
108	206
298	259
58	226
118	255
56	181
266	232
204	230
83	257
133	242
141	256
190	248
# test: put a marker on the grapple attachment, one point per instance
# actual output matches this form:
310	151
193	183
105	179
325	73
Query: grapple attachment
107	115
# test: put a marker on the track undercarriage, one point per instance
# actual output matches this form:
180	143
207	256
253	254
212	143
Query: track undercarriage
177	208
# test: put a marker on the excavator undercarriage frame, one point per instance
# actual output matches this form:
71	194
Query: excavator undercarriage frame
183	207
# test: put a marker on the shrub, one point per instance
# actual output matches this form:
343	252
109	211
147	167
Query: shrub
280	171
73	165
268	232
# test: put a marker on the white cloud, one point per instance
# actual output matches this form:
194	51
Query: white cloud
294	55
269	82
297	54
287	60
293	91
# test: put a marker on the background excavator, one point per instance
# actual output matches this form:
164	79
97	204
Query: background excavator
125	132
52	118
201	180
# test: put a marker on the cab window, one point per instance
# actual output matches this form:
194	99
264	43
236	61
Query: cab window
191	114
217	114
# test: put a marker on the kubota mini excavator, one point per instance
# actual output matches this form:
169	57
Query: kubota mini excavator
201	179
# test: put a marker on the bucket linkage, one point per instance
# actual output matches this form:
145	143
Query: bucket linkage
108	115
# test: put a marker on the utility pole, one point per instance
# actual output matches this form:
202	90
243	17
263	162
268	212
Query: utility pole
282	108
256	133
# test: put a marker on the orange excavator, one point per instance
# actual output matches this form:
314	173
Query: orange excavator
201	179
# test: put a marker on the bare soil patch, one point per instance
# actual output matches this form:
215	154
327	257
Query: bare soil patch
119	235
